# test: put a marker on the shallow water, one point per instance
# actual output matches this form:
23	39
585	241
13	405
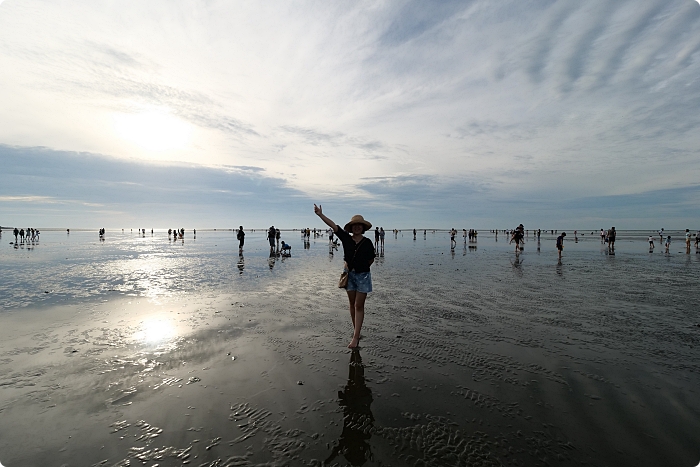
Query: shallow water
148	350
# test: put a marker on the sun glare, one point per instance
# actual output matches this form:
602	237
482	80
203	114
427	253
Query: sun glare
155	331
153	130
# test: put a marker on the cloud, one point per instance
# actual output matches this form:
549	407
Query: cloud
55	180
526	99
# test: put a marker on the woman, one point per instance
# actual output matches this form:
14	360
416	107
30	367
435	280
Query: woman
358	254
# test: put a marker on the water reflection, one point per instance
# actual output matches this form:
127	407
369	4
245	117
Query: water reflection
517	263
155	331
358	420
272	259
241	263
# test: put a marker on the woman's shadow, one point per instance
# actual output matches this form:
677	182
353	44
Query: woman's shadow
358	421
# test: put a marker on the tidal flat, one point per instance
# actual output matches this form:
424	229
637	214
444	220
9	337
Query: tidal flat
140	350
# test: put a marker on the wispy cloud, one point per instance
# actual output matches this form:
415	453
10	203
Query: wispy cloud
529	99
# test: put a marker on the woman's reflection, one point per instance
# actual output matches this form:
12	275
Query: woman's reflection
357	416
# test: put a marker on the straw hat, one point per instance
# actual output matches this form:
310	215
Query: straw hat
357	219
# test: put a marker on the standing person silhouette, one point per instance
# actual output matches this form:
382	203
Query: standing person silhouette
359	254
241	238
271	237
560	243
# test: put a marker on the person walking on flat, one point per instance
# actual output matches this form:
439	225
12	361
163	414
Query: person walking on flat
241	238
359	254
611	239
271	233
560	243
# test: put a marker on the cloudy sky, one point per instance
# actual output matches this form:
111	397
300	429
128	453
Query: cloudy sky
477	113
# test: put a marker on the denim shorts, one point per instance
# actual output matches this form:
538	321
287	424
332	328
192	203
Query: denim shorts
360	281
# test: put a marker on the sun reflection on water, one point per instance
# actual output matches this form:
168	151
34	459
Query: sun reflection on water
155	331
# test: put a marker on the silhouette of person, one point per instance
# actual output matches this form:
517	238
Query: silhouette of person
358	420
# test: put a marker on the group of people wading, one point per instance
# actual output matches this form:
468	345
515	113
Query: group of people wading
22	236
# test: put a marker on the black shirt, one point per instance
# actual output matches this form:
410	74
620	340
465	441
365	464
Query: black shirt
364	255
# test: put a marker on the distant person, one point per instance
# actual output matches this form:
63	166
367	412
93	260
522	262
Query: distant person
271	233
651	242
661	235
602	236
560	243
376	238
517	237
611	238
16	232
359	255
241	238
697	239
453	242
21	235
668	243
687	240
414	234
286	249
278	235
381	236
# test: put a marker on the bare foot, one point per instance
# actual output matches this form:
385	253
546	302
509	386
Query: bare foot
353	343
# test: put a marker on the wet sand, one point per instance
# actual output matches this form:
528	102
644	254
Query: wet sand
473	358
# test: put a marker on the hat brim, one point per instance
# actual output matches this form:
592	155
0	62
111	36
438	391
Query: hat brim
365	224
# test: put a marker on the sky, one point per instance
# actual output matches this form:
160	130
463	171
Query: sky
465	114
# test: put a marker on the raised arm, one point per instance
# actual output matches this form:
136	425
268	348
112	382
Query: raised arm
319	212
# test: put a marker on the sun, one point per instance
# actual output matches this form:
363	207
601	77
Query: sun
153	130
